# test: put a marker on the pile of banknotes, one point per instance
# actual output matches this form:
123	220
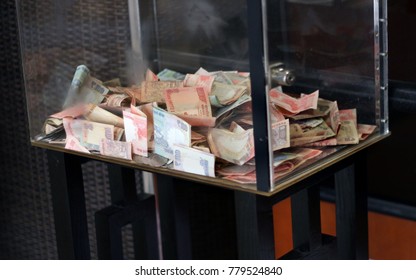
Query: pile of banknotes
199	123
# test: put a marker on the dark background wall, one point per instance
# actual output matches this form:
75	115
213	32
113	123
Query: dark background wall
26	219
392	167
26	222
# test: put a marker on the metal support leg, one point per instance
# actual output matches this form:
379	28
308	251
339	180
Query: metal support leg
255	233
123	191
351	211
306	219
164	192
197	221
68	201
122	184
124	199
110	221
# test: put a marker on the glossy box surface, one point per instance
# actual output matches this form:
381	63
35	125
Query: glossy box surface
249	119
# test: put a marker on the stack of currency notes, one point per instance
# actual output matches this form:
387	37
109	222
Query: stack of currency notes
200	123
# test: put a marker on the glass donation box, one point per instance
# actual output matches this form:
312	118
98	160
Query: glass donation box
248	95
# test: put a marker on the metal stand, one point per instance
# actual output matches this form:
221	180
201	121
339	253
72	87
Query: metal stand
127	208
254	232
68	201
202	222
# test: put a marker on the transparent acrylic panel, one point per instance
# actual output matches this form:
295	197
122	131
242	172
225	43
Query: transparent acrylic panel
329	44
210	33
57	36
213	35
80	54
329	48
194	114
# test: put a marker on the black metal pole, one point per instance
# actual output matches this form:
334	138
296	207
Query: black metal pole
258	88
68	201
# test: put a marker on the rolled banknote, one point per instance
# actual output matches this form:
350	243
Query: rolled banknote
133	92
80	76
85	89
169	131
95	113
193	161
118	100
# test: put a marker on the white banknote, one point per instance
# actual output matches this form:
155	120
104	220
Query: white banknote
193	161
169	131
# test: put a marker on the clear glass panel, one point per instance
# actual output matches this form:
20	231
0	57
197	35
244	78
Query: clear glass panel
328	46
196	107
97	53
57	36
210	33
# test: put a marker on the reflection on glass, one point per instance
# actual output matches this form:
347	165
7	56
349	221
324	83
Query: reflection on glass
181	97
